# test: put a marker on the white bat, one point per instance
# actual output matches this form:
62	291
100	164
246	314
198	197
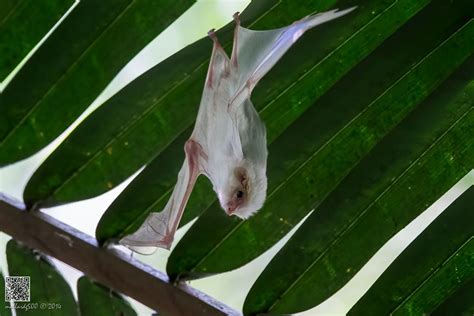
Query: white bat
228	143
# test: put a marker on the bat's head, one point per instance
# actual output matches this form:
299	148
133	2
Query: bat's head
245	192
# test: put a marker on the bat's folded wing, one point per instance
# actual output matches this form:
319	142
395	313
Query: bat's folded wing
151	234
159	227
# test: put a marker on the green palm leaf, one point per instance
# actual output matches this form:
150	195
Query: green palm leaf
438	263
413	142
22	25
47	286
458	303
315	177
95	299
63	77
370	119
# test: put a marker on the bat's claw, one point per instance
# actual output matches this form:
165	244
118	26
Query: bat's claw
236	17
212	35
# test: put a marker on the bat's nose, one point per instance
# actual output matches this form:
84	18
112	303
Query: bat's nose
230	209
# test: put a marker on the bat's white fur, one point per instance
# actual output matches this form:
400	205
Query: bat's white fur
256	193
228	143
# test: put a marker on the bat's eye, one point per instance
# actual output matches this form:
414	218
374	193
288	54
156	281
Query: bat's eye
240	194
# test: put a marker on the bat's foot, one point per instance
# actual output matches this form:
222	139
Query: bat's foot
213	36
236	17
233	57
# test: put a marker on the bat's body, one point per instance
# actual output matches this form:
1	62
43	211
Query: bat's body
228	143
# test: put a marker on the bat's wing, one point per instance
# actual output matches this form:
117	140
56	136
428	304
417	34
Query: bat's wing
256	52
159	228
252	134
213	129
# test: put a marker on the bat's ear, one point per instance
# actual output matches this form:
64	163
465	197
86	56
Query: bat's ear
242	176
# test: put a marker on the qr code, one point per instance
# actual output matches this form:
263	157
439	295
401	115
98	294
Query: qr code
17	288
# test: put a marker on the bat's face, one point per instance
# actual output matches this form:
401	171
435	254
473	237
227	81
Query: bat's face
244	194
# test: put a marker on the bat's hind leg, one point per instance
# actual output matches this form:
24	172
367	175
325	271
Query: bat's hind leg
213	36
196	156
219	61
233	57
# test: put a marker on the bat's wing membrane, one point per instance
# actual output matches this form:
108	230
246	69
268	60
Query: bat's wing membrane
252	134
159	228
256	52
